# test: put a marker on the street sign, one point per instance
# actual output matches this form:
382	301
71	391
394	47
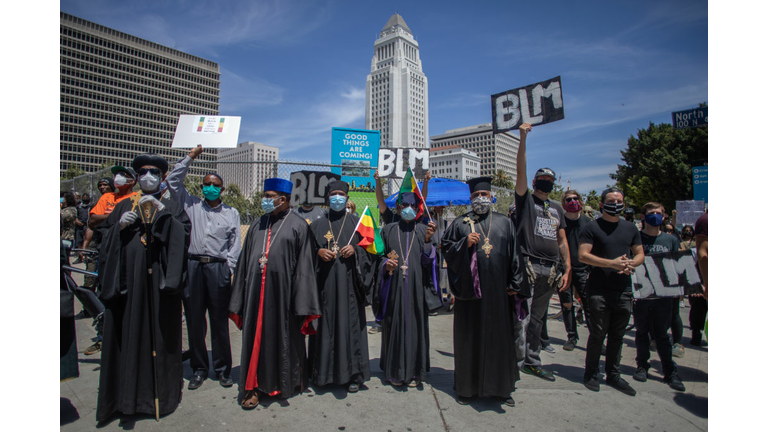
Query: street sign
689	118
700	183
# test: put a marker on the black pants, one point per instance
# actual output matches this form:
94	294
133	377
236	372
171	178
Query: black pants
698	313
654	316
208	290
609	314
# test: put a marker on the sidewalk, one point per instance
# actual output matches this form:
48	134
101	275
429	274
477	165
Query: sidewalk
541	405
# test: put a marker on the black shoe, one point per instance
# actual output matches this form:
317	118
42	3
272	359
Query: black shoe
696	338
621	385
570	345
463	400
196	382
353	387
224	381
675	383
507	401
539	372
592	384
641	374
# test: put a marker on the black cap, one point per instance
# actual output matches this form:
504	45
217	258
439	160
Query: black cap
545	172
108	181
479	183
150	159
629	210
337	185
117	168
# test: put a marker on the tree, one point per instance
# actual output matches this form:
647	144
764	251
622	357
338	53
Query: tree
72	171
593	200
658	164
500	179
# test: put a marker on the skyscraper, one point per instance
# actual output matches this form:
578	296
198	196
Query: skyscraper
396	93
249	177
496	151
121	96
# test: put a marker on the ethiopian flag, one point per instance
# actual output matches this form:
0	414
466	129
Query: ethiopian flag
368	229
410	185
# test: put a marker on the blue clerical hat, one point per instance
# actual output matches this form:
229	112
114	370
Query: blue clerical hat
278	185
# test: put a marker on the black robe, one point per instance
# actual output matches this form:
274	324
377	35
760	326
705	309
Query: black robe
402	308
126	379
483	338
339	351
290	303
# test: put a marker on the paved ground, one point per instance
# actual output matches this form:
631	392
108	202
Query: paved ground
564	405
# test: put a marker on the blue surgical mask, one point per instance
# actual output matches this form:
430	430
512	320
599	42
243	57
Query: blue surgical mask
654	219
268	205
338	202
408	214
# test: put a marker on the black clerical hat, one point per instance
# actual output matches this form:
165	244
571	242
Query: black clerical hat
150	159
337	185
479	183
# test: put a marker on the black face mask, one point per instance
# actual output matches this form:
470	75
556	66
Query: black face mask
613	209
544	185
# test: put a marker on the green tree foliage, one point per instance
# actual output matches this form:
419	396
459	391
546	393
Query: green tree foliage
593	200
501	179
657	164
72	171
248	208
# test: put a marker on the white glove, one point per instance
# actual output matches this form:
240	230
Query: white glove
128	218
155	203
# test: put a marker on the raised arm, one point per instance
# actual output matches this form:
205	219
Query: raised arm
379	193
425	185
175	179
521	182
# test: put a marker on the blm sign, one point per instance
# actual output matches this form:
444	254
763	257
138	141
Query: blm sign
394	162
535	104
309	186
669	274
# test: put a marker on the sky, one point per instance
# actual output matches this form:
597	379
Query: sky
294	69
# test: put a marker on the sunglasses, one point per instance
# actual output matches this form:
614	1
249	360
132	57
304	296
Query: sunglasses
569	199
153	171
404	205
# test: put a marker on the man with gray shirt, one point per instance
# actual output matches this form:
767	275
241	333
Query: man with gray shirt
213	251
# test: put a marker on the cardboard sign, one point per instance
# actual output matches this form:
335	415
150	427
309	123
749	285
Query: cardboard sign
535	104
309	186
670	274
210	131
688	211
393	163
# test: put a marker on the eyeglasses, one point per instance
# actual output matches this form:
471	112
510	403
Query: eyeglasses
153	171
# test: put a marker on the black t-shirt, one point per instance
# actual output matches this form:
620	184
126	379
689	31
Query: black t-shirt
610	240
659	244
573	229
537	230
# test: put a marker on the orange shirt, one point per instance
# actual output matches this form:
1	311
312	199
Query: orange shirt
107	203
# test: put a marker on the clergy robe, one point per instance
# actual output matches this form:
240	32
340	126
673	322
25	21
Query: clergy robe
402	305
126	378
339	350
274	306
484	314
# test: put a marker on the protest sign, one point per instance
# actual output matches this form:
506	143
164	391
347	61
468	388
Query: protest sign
394	162
670	274
535	104
209	131
309	186
354	150
688	211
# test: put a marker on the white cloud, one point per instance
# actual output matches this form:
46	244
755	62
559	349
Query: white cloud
238	92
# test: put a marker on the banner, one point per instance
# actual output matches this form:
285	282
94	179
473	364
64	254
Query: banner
394	162
670	274
355	150
535	104
309	186
209	131
688	212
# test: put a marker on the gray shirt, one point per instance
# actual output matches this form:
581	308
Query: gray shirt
215	231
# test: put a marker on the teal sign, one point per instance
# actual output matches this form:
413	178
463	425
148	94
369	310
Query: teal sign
356	150
700	183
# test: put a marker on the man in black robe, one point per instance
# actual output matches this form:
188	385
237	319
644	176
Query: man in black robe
485	276
339	350
408	273
274	299
142	270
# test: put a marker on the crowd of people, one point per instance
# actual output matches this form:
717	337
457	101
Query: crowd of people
306	271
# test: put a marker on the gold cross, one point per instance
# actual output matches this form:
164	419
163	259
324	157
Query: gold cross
487	247
471	222
335	248
135	200
404	268
393	256
328	236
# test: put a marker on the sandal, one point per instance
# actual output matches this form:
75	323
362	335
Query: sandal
250	400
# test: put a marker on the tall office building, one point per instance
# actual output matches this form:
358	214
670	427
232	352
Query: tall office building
496	152
249	177
396	89
121	96
454	162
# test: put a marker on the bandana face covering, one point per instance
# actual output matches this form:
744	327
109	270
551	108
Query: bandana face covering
481	205
573	206
613	209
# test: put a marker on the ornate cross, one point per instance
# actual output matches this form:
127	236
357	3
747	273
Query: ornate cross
329	236
404	268
487	247
471	222
263	261
335	248
393	256
135	200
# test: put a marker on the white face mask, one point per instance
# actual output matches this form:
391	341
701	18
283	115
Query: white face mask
149	182
120	180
